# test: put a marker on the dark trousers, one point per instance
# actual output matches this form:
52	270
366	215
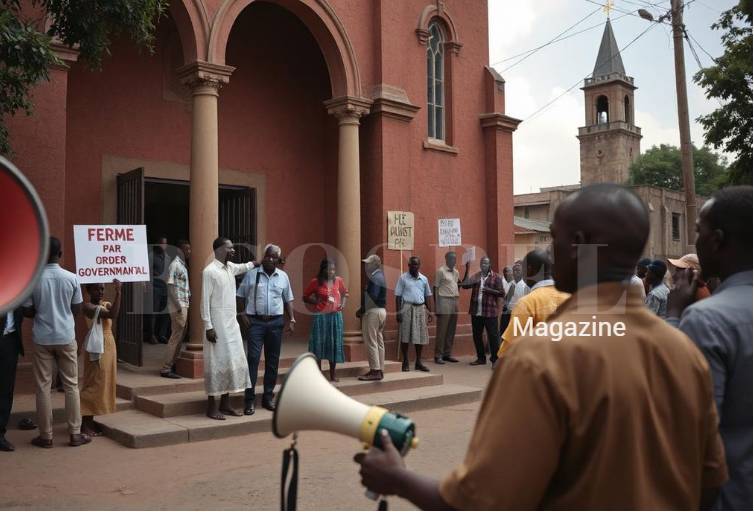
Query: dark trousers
479	324
8	363
267	334
505	319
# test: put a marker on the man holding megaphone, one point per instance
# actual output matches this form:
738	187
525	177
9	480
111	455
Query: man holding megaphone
623	421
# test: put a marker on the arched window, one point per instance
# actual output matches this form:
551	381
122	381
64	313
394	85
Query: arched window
436	82
627	109
602	110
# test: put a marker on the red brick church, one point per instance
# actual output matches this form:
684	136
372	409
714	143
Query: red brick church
296	122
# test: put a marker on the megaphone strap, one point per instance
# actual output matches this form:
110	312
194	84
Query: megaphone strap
288	499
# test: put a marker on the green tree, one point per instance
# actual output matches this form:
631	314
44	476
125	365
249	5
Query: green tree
730	81
26	53
660	166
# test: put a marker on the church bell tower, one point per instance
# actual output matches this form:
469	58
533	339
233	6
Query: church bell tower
610	139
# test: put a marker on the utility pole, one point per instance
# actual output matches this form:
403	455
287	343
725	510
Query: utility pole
687	156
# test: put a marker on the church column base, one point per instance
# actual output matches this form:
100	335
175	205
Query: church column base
190	363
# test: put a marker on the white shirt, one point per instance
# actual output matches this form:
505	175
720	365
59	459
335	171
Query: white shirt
521	289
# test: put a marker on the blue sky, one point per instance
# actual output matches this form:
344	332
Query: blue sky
545	148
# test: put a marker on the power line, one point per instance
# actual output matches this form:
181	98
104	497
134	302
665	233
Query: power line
629	12
700	46
551	41
549	103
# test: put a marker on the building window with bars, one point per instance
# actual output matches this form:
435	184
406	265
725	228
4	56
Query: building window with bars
436	82
676	226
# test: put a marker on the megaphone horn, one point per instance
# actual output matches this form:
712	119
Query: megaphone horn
307	401
25	238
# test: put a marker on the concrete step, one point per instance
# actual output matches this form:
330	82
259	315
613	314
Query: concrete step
137	429
195	402
132	384
25	406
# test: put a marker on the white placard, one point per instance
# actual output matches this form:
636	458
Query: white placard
107	252
449	232
469	255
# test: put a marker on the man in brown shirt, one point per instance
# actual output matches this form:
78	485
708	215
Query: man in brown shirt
608	408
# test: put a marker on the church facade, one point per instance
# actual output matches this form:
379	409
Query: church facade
609	143
295	122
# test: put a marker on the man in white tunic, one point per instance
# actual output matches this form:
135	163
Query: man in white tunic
225	367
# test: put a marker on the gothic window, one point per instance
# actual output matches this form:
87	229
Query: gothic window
676	226
627	109
436	82
602	110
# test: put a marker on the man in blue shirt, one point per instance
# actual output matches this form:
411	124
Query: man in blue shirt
413	303
263	297
721	325
53	304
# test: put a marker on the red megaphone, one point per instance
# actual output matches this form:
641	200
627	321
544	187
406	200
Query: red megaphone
24	237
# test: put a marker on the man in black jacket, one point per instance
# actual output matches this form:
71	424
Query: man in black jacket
10	348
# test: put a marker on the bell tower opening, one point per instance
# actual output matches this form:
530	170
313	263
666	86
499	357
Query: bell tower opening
603	110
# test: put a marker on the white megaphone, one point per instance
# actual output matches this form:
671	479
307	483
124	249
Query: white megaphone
25	239
307	401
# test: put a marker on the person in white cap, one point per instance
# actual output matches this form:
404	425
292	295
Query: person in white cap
373	314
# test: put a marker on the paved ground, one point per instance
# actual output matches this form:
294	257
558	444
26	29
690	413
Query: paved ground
237	473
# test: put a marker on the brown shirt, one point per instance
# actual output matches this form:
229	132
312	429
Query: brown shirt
595	422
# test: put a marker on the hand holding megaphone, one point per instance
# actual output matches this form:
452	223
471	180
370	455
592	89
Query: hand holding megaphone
378	467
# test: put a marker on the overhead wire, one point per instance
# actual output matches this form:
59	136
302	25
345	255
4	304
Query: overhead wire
619	52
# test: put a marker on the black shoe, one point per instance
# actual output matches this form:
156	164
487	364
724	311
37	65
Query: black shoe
478	362
450	359
268	404
249	409
405	367
5	445
438	360
26	424
170	375
420	367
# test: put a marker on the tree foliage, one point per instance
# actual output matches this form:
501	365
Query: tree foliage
26	52
660	166
730	81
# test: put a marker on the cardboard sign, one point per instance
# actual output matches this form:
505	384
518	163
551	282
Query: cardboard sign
400	231
107	252
449	232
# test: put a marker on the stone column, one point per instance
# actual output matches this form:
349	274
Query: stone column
348	110
204	80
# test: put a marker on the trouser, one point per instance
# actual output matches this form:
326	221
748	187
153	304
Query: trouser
44	370
267	334
8	363
372	327
479	324
505	319
158	322
177	332
447	318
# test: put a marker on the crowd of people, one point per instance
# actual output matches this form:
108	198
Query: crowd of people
678	384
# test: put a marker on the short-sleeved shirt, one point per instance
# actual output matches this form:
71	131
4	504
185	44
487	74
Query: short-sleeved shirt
721	326
52	297
178	278
271	292
538	304
657	300
520	289
595	422
330	295
413	289
446	282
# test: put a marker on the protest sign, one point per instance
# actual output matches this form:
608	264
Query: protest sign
449	232
400	231
107	252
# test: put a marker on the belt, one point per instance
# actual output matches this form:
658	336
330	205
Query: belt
265	318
